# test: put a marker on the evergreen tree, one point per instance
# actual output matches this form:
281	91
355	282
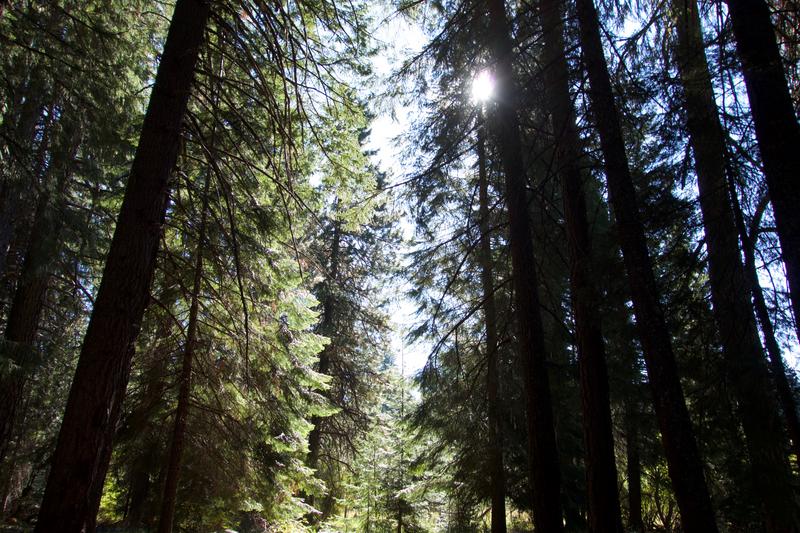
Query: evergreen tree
683	457
237	258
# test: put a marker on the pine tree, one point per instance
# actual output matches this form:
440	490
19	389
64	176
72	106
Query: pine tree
497	476
685	464
604	513
545	475
758	407
777	129
85	439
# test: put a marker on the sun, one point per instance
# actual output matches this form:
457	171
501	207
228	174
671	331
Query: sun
482	87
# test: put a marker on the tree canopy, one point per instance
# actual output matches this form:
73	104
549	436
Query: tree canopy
399	266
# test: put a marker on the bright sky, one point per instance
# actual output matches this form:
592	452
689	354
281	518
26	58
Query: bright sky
399	40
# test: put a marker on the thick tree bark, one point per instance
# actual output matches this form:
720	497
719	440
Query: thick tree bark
601	471
683	458
777	130
543	453
496	473
733	312
84	443
182	409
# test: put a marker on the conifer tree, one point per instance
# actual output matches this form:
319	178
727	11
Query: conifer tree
604	513
496	473
545	475
683	457
758	407
266	274
777	129
85	439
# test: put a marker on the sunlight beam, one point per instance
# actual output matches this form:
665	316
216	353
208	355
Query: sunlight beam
482	87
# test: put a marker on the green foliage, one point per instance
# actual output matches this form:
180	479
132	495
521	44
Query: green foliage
298	420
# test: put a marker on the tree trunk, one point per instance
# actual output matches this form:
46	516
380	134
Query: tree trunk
733	312
29	296
543	453
683	457
84	443
140	487
496	473
634	468
140	426
182	410
777	130
326	328
776	361
24	118
601	471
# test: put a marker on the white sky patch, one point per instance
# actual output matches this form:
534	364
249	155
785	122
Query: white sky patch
385	139
400	39
409	358
315	179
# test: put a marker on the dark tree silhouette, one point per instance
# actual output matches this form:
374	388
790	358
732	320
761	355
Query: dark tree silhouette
683	457
730	294
543	454
777	130
84	444
601	472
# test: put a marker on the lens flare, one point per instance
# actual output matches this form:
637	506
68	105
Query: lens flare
482	87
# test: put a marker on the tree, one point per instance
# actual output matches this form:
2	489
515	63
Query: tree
29	296
354	247
85	439
490	319
182	409
777	129
758	407
545	476
51	176
683	457
604	512
561	260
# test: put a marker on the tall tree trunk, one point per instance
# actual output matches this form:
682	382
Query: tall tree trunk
140	486
733	312
84	444
777	130
601	471
634	467
22	119
776	361
496	473
683	458
140	426
182	409
29	296
326	328
543	453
